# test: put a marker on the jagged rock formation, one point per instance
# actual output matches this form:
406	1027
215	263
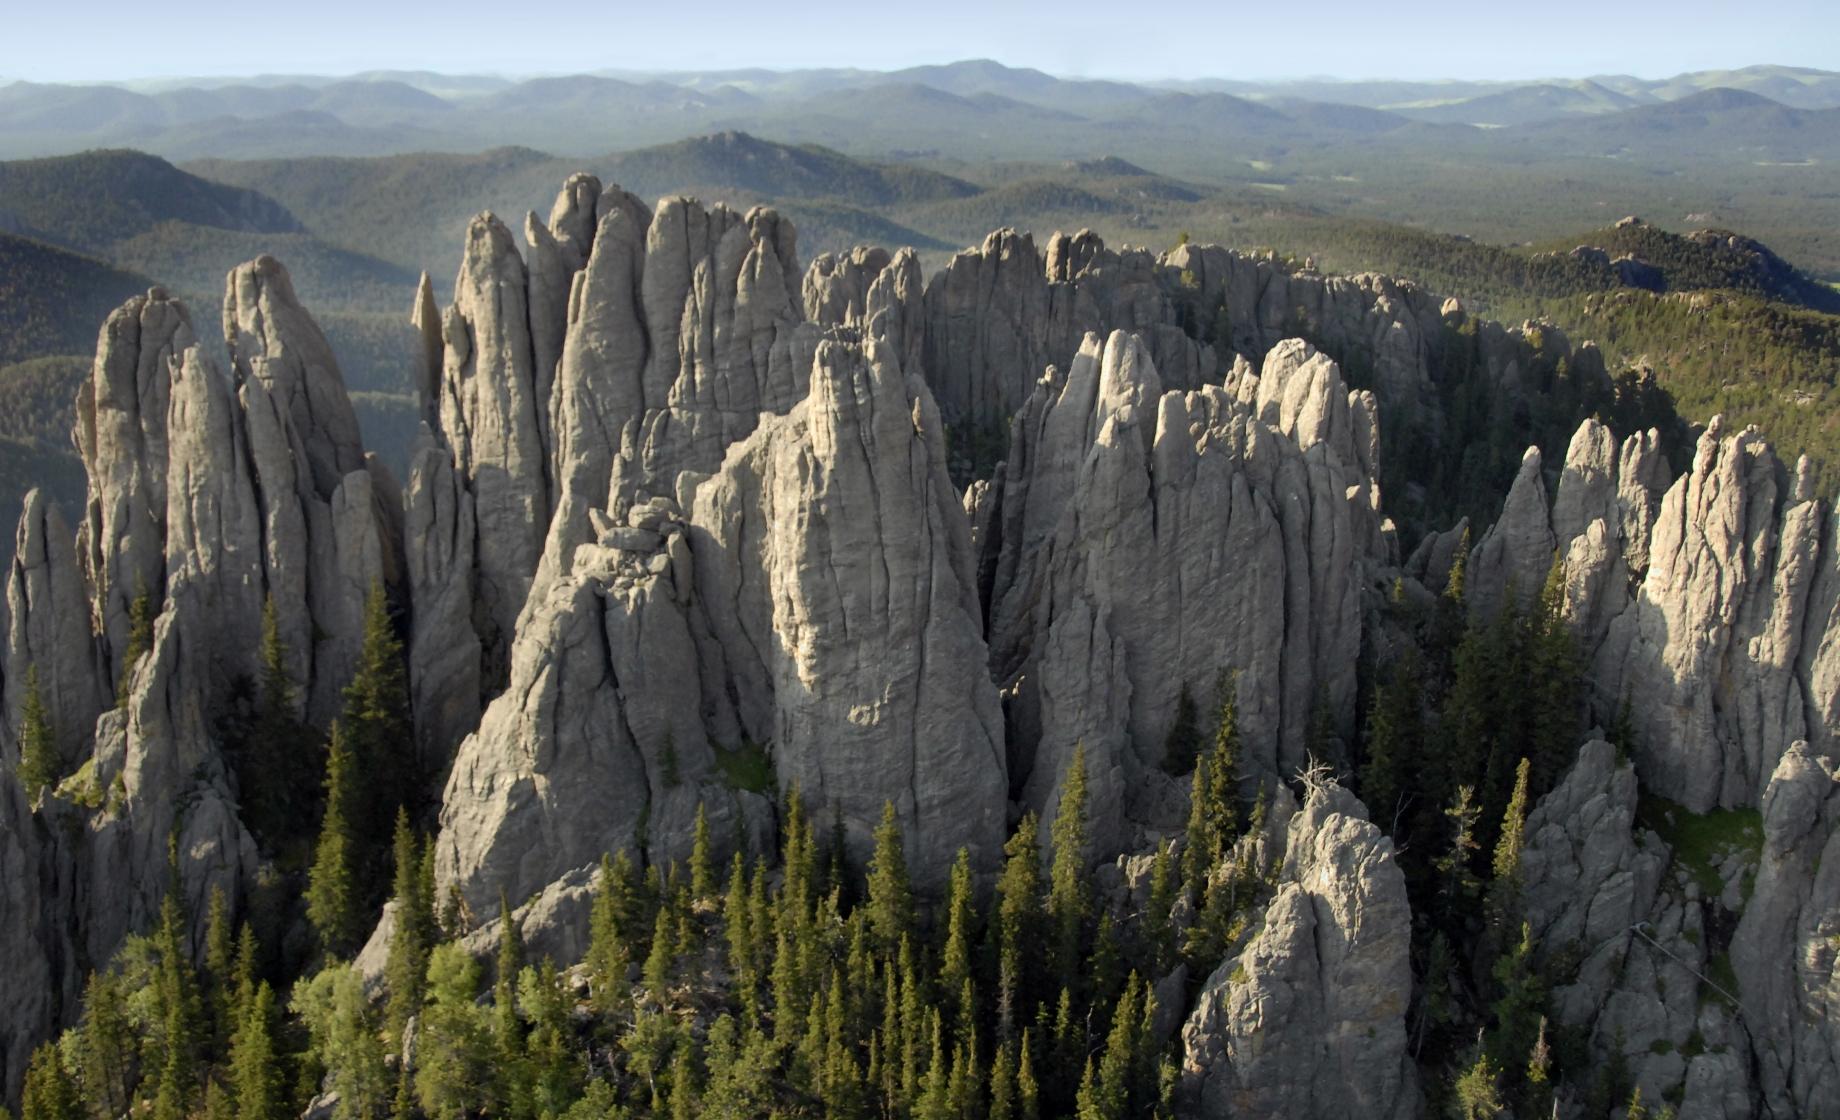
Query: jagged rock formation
121	437
488	413
871	291
1786	952
1701	610
998	315
816	602
48	631
680	531
1141	543
633	346
210	497
26	1014
1307	1019
1645	932
1513	557
1597	889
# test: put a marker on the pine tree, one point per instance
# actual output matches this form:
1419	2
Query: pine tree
1213	805
550	1064
1018	920
1086	1102
217	1103
1003	1084
1636	1110
454	1045
891	902
219	965
105	1045
1477	1095
332	885
934	1103
1157	933
702	865
406	967
1028	1092
1557	678
1105	966
345	1041
277	760
1393	734
507	1029
1067	894
799	863
1223	773
1182	746
176	1000
378	735
683	1100
40	766
1456	880
50	1093
255	1072
141	615
955	959
610	922
243	972
658	962
1520	1005
1505	888
1110	1098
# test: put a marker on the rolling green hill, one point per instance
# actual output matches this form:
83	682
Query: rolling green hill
52	301
94	200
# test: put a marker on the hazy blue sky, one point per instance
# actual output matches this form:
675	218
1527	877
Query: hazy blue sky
51	40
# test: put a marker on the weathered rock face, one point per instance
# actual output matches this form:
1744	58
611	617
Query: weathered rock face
1143	543
121	436
1786	952
273	340
721	303
1705	608
1512	558
1308	1018
251	510
488	416
998	315
48	631
1256	302
872	292
816	602
275	498
631	347
1707	653
26	1012
1599	891
599	385
439	534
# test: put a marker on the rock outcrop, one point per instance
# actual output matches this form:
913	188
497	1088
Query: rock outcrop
48	636
814	607
264	497
1308	1018
998	315
121	436
1703	607
679	533
1639	931
1144	543
1786	951
488	413
870	291
26	1014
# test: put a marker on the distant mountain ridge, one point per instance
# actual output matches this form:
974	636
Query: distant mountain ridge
396	111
